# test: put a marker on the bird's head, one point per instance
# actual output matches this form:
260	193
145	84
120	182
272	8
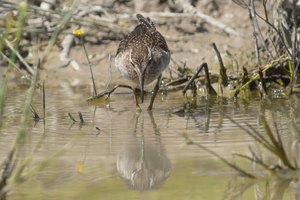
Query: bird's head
140	60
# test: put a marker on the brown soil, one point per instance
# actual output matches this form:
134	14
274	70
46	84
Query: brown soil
188	39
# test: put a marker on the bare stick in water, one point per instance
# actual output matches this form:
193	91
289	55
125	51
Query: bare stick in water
193	78
222	67
91	69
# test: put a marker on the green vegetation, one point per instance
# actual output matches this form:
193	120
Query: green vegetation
17	166
275	158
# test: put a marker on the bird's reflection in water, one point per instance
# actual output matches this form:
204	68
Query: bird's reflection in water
142	162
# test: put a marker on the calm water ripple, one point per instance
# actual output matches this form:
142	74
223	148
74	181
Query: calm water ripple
118	151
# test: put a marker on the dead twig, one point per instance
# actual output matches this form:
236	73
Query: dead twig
209	88
251	12
243	4
258	31
192	79
90	66
224	78
109	92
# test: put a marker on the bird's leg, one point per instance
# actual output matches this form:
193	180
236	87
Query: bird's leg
155	91
135	93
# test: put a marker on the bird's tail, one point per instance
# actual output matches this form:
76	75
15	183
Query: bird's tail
145	21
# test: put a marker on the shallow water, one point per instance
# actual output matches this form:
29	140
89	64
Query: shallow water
119	153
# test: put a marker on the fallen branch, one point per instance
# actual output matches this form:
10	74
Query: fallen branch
108	92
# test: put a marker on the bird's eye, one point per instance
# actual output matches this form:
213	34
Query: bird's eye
149	61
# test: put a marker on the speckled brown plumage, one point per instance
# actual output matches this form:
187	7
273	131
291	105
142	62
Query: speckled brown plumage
143	54
144	34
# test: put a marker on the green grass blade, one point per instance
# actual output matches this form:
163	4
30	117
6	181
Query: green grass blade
20	25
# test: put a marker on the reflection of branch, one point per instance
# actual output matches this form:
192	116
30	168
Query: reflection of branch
271	143
209	88
231	165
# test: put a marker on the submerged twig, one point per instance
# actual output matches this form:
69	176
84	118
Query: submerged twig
231	165
108	92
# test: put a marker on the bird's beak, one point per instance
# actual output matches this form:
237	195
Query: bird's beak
142	81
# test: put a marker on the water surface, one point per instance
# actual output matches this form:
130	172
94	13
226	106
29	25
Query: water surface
119	153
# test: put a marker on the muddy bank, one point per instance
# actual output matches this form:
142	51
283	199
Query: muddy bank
189	39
